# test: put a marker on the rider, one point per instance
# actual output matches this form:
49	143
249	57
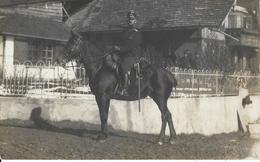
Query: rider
130	49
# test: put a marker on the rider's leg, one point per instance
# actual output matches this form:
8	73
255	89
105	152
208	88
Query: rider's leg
125	84
125	80
120	75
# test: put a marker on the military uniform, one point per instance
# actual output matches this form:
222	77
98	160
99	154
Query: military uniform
130	49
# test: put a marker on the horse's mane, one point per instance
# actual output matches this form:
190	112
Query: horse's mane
85	52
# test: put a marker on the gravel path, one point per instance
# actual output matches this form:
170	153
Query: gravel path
75	140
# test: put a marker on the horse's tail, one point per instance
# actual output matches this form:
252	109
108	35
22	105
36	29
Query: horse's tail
172	78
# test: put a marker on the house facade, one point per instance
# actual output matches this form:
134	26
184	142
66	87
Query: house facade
200	34
244	23
33	32
186	34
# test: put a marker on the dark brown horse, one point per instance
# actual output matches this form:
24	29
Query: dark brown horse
156	83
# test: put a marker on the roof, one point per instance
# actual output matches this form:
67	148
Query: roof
4	3
35	27
7	3
110	15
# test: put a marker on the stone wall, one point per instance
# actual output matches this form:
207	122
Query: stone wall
207	116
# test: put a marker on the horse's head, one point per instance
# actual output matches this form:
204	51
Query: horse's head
74	47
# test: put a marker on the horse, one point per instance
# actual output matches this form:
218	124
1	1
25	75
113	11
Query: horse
157	83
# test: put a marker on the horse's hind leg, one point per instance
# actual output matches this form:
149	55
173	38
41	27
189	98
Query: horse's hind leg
161	102
171	127
103	102
166	118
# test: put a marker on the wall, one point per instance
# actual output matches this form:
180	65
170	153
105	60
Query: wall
206	116
58	52
21	50
258	59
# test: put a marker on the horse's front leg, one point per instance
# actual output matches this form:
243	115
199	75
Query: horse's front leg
103	102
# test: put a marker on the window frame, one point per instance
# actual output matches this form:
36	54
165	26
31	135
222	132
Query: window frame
41	50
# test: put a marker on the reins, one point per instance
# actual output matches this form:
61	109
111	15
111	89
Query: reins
101	57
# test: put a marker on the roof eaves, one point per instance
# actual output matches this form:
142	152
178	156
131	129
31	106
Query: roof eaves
195	27
33	27
34	36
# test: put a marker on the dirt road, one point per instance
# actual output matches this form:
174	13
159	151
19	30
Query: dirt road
71	140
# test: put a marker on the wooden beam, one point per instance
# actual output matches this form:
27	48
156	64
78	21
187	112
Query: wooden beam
228	35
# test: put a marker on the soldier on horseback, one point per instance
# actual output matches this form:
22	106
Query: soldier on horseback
129	50
157	83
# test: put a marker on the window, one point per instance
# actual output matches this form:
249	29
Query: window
240	21
232	22
40	50
47	54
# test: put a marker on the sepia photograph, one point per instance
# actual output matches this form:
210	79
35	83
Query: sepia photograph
130	80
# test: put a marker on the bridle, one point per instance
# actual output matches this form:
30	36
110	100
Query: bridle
78	45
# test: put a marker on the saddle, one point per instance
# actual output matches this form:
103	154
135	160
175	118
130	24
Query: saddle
135	74
112	61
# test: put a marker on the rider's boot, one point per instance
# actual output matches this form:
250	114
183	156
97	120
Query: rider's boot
124	88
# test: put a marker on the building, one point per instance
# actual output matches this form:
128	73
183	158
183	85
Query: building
244	23
183	33
33	32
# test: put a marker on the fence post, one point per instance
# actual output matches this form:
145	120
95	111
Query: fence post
216	82
192	81
27	80
198	82
40	82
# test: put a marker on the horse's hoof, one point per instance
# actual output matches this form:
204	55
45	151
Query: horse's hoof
172	140
160	142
